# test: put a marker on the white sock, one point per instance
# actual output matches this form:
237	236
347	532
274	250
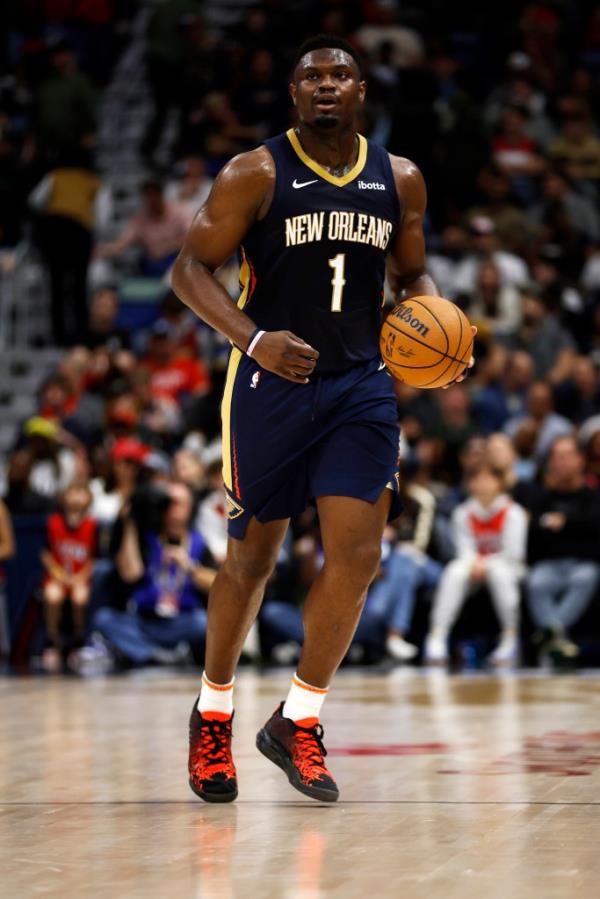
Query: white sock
303	703
215	700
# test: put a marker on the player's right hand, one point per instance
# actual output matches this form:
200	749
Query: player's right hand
286	355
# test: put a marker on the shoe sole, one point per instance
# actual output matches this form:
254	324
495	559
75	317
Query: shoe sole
270	749
213	797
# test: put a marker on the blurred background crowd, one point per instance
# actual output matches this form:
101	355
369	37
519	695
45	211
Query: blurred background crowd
115	117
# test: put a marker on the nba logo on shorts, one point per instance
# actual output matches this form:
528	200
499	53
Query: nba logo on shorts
255	380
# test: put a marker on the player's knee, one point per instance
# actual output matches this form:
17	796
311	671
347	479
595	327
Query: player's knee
363	563
250	570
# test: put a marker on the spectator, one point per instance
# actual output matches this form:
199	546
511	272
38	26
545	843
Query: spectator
516	153
66	106
52	459
405	568
260	102
490	535
590	274
169	571
212	513
497	203
563	548
21	498
578	398
181	324
591	448
504	395
7	551
102	329
543	337
406	42
165	58
69	562
193	186
546	423
444	264
565	216
494	307
577	149
484	245
172	376
158	230
454	428
189	468
502	458
112	492
71	202
520	90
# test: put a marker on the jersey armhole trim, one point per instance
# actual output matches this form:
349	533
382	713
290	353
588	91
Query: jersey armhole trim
322	172
396	196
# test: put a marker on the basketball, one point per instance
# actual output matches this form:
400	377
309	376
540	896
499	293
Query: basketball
426	342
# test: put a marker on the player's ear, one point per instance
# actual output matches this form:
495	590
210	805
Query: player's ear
362	90
292	88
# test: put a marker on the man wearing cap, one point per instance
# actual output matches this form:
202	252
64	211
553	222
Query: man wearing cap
484	245
53	465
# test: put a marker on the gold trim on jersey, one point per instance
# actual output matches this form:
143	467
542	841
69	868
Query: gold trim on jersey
232	367
340	181
234	361
245	279
234	510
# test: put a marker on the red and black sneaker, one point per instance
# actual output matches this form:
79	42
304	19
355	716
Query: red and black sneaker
298	751
210	765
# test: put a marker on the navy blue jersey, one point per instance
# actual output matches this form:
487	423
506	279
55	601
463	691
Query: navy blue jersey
315	264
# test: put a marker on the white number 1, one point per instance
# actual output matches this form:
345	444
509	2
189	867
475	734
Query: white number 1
338	264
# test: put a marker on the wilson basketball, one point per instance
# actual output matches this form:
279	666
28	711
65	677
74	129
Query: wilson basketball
426	342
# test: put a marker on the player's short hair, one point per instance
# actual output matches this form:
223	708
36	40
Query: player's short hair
329	42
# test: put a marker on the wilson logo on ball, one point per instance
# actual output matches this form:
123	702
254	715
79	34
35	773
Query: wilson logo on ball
405	314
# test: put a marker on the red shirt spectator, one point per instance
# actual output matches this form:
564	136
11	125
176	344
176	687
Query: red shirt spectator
71	547
172	375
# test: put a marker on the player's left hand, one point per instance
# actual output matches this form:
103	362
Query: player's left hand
470	365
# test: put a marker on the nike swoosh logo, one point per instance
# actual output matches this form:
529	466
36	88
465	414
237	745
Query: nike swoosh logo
381	366
298	184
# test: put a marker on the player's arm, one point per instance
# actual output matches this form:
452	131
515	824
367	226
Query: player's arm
240	195
407	259
407	262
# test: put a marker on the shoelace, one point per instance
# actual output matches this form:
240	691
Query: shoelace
214	749
311	750
214	736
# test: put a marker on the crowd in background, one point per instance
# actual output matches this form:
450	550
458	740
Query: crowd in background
500	474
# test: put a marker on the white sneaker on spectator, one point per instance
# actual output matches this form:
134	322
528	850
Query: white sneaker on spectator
251	648
436	650
179	655
506	653
94	658
400	649
287	653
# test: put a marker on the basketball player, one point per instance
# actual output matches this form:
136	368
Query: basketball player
308	409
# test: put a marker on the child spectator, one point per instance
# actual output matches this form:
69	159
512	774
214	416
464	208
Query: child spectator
490	535
69	562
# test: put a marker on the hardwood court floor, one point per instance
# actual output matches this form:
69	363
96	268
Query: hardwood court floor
452	788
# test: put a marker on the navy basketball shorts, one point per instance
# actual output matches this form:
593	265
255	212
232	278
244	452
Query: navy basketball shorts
285	444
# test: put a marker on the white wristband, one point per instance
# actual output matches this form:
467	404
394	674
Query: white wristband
253	342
